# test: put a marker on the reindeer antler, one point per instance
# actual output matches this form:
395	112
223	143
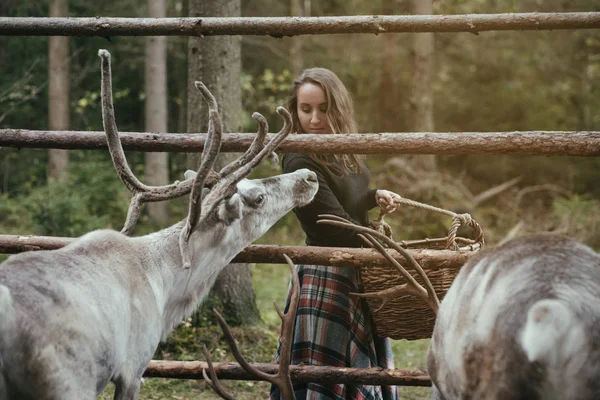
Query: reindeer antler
141	193
282	378
253	150
230	177
213	381
222	184
209	157
412	286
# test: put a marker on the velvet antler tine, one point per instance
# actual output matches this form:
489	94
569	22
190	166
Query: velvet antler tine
282	379
195	204
133	213
141	192
209	157
333	217
212	105
257	143
236	351
210	154
214	383
242	172
419	290
227	186
433	300
288	321
412	287
110	126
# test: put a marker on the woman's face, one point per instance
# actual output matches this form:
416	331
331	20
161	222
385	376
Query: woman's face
312	109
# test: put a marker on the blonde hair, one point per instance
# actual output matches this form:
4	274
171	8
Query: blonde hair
340	115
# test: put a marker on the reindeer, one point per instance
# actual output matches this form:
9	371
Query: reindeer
76	318
519	322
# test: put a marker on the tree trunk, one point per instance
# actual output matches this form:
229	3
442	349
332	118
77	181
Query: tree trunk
422	81
156	165
389	115
58	92
216	61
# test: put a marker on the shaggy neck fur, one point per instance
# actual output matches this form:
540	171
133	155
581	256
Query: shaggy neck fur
178	291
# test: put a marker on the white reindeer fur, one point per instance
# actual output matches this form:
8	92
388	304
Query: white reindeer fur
521	322
73	319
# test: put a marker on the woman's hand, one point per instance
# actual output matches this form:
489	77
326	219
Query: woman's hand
387	200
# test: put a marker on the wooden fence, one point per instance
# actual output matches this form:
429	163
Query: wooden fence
586	143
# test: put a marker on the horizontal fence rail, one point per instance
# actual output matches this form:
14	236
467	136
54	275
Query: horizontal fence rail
299	373
572	143
291	26
273	254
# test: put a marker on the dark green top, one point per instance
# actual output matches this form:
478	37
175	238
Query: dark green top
346	196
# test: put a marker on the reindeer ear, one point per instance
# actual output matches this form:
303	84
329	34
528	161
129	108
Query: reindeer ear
231	209
189	174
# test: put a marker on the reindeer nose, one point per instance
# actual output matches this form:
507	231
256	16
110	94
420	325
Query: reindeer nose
312	177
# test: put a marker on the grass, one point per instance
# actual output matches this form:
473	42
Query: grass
258	344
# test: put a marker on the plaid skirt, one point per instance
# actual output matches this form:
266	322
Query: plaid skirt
334	328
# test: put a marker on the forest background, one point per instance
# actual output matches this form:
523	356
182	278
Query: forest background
494	81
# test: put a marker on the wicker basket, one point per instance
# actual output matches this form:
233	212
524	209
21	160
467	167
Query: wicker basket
405	317
408	317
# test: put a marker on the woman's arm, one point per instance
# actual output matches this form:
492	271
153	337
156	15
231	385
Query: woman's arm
325	202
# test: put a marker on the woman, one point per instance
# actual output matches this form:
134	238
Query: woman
333	328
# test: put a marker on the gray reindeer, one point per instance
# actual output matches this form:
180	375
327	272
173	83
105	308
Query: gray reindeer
520	322
74	319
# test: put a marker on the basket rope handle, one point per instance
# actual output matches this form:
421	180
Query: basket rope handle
457	220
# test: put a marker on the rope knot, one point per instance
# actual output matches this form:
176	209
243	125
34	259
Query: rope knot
381	226
465	219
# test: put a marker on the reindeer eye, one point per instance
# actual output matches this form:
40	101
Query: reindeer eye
259	199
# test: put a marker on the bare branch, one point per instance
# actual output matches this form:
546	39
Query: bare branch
494	191
512	233
538	188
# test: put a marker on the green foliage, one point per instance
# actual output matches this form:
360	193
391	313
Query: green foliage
263	94
92	198
204	317
578	217
57	212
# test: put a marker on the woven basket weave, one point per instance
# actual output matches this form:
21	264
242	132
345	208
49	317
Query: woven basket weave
409	317
405	317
